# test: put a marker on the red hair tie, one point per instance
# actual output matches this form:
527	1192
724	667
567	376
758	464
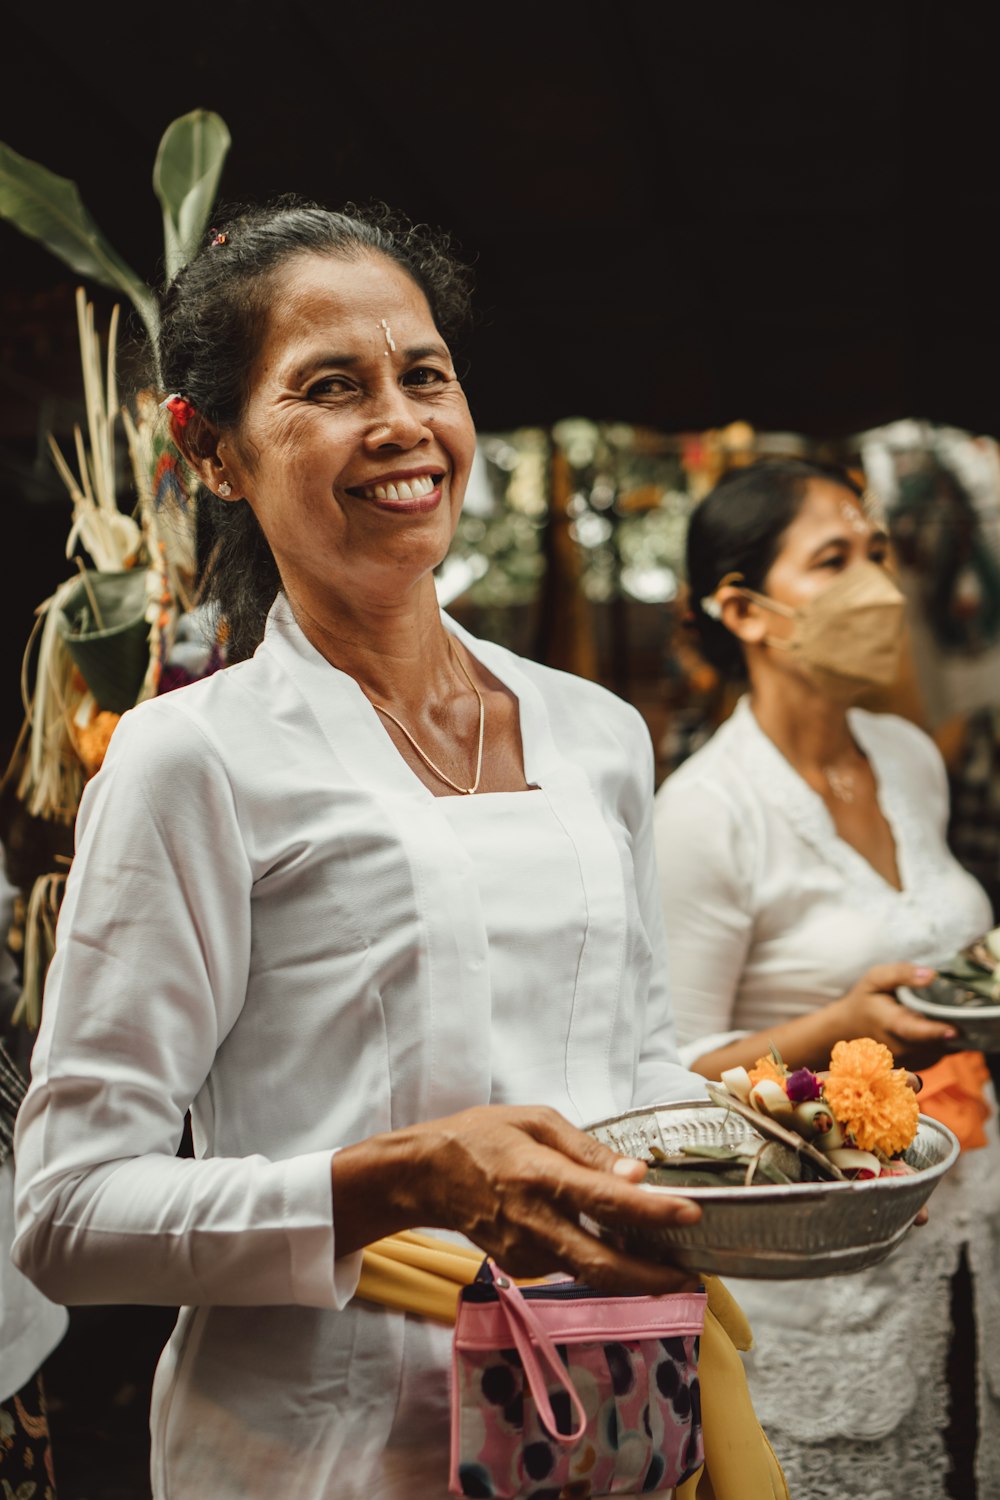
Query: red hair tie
180	409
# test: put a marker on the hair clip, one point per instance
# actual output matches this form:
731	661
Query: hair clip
218	238
179	408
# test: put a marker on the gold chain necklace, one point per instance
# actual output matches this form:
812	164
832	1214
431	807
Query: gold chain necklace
466	791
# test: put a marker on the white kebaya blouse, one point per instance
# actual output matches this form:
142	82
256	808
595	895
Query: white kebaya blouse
770	915
270	919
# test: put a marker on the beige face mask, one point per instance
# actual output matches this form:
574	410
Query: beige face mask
849	637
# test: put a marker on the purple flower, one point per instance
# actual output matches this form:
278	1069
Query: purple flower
802	1085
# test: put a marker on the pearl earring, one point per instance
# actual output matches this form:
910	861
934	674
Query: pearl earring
225	489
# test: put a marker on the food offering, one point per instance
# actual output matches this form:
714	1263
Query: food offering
797	1173
966	992
852	1122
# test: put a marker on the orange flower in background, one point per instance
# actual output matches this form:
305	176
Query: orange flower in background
870	1097
92	739
766	1067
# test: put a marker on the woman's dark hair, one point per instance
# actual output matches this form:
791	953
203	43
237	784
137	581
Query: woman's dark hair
212	319
738	528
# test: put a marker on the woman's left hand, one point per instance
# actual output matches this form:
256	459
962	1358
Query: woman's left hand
515	1180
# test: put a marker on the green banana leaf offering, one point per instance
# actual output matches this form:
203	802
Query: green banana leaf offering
103	622
769	1164
972	977
770	1155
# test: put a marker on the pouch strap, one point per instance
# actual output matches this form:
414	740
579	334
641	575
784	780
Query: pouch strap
528	1332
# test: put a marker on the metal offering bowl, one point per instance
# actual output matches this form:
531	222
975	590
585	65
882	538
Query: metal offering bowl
768	1232
978	1024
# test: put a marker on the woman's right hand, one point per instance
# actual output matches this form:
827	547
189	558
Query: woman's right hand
515	1179
871	1009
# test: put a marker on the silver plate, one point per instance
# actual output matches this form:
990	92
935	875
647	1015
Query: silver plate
802	1230
979	1025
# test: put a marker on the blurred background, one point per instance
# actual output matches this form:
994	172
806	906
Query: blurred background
700	234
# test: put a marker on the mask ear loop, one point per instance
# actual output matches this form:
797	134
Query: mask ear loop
713	608
710	604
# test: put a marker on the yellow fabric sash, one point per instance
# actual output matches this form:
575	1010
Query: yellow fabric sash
418	1273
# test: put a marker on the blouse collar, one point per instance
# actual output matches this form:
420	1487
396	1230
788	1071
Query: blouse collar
781	785
334	697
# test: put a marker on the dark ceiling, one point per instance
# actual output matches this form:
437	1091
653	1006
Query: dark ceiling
679	214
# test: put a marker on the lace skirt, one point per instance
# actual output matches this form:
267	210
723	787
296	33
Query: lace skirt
849	1374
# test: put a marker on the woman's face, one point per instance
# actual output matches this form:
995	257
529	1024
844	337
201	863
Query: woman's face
829	534
356	443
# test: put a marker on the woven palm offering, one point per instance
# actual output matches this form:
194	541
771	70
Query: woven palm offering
966	992
798	1174
112	633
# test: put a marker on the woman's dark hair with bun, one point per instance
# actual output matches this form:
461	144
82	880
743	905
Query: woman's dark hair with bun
212	319
738	528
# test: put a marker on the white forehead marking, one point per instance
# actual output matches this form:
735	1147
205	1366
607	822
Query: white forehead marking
855	518
388	336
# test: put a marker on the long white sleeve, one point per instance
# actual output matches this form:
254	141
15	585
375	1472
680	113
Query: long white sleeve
149	977
661	1075
704	892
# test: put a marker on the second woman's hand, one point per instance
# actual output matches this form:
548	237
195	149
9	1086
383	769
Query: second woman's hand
515	1180
871	1009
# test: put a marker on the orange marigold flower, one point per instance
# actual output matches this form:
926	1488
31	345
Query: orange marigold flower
870	1098
766	1067
863	1058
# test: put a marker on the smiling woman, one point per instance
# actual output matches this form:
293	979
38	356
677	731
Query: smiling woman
294	912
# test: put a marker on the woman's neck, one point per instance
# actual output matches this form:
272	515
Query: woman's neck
397	651
810	729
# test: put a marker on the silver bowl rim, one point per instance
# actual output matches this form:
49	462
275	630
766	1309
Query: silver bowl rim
955	1013
797	1190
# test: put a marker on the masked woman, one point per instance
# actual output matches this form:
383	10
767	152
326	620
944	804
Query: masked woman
805	876
362	901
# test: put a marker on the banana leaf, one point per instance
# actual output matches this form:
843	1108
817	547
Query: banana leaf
732	1166
765	1126
961	968
952	987
49	208
110	648
185	178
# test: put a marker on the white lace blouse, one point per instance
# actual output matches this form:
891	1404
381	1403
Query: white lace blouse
770	914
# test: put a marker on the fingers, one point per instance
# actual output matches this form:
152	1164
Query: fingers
629	1168
558	1244
910	1027
556	1173
889	977
614	1196
612	1270
551	1128
602	1198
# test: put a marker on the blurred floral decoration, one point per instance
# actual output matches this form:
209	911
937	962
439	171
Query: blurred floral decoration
122	626
497	562
628	510
940	487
